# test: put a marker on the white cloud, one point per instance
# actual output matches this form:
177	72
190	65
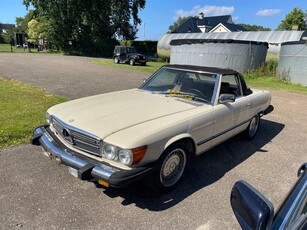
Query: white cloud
235	18
207	10
268	12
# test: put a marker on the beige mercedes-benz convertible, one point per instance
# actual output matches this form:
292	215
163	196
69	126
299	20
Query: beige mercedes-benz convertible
153	131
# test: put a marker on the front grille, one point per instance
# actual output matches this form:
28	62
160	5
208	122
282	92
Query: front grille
77	138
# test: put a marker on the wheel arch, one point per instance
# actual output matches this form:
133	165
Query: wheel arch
183	138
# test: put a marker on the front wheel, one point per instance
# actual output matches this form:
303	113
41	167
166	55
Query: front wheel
131	61
172	166
252	128
116	60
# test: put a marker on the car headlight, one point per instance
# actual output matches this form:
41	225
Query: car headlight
48	117
109	151
124	156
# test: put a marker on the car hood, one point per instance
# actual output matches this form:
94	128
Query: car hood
105	114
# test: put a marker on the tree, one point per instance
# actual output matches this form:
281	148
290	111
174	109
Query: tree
34	31
22	22
176	24
79	24
9	35
254	27
295	18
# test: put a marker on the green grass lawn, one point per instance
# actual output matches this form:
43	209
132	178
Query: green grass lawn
150	67
272	83
6	48
22	108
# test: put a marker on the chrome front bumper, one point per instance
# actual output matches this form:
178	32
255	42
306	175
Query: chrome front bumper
87	168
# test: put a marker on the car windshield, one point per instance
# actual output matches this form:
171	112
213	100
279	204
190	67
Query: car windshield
182	83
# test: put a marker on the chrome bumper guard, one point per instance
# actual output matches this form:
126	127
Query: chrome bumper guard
88	169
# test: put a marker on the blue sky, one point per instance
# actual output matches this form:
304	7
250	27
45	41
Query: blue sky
158	15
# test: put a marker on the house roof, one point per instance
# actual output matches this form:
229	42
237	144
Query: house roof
232	27
192	24
6	26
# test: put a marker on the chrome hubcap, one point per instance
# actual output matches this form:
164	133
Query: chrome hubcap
253	126
173	167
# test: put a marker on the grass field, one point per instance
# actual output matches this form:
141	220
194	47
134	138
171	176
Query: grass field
271	83
150	67
6	48
22	107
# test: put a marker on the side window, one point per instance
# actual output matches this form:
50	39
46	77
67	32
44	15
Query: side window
300	214
122	50
231	84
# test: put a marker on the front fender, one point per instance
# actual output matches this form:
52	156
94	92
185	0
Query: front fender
177	138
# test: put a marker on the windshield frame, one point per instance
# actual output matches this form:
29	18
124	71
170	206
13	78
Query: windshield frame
165	90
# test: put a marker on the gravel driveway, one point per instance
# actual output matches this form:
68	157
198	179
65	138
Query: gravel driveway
36	193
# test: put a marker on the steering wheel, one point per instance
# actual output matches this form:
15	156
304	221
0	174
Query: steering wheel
197	93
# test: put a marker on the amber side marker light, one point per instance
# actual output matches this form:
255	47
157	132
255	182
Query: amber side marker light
103	183
138	154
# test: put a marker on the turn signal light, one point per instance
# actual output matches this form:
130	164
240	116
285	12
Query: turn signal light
138	154
103	183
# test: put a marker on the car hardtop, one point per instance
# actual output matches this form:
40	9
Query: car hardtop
128	49
203	69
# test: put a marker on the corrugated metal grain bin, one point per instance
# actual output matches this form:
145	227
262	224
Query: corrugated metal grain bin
292	64
238	55
274	38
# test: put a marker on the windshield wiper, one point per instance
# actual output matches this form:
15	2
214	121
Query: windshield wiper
188	96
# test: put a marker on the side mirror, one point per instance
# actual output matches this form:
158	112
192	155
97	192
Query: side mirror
251	208
225	98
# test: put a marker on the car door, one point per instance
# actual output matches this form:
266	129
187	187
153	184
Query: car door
292	214
123	54
230	118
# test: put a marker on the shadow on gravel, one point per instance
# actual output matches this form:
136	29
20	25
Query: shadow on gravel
205	170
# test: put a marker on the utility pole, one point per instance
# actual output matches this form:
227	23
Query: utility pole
144	30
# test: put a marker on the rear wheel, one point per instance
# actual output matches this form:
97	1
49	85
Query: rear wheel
252	128
172	167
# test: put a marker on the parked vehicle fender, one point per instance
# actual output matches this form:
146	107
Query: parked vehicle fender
178	138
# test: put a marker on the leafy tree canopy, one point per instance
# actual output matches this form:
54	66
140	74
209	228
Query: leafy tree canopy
78	24
176	24
295	18
254	27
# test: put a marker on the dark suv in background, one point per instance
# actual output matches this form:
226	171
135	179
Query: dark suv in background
128	54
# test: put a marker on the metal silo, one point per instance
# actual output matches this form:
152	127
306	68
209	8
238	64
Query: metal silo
292	64
274	38
238	55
